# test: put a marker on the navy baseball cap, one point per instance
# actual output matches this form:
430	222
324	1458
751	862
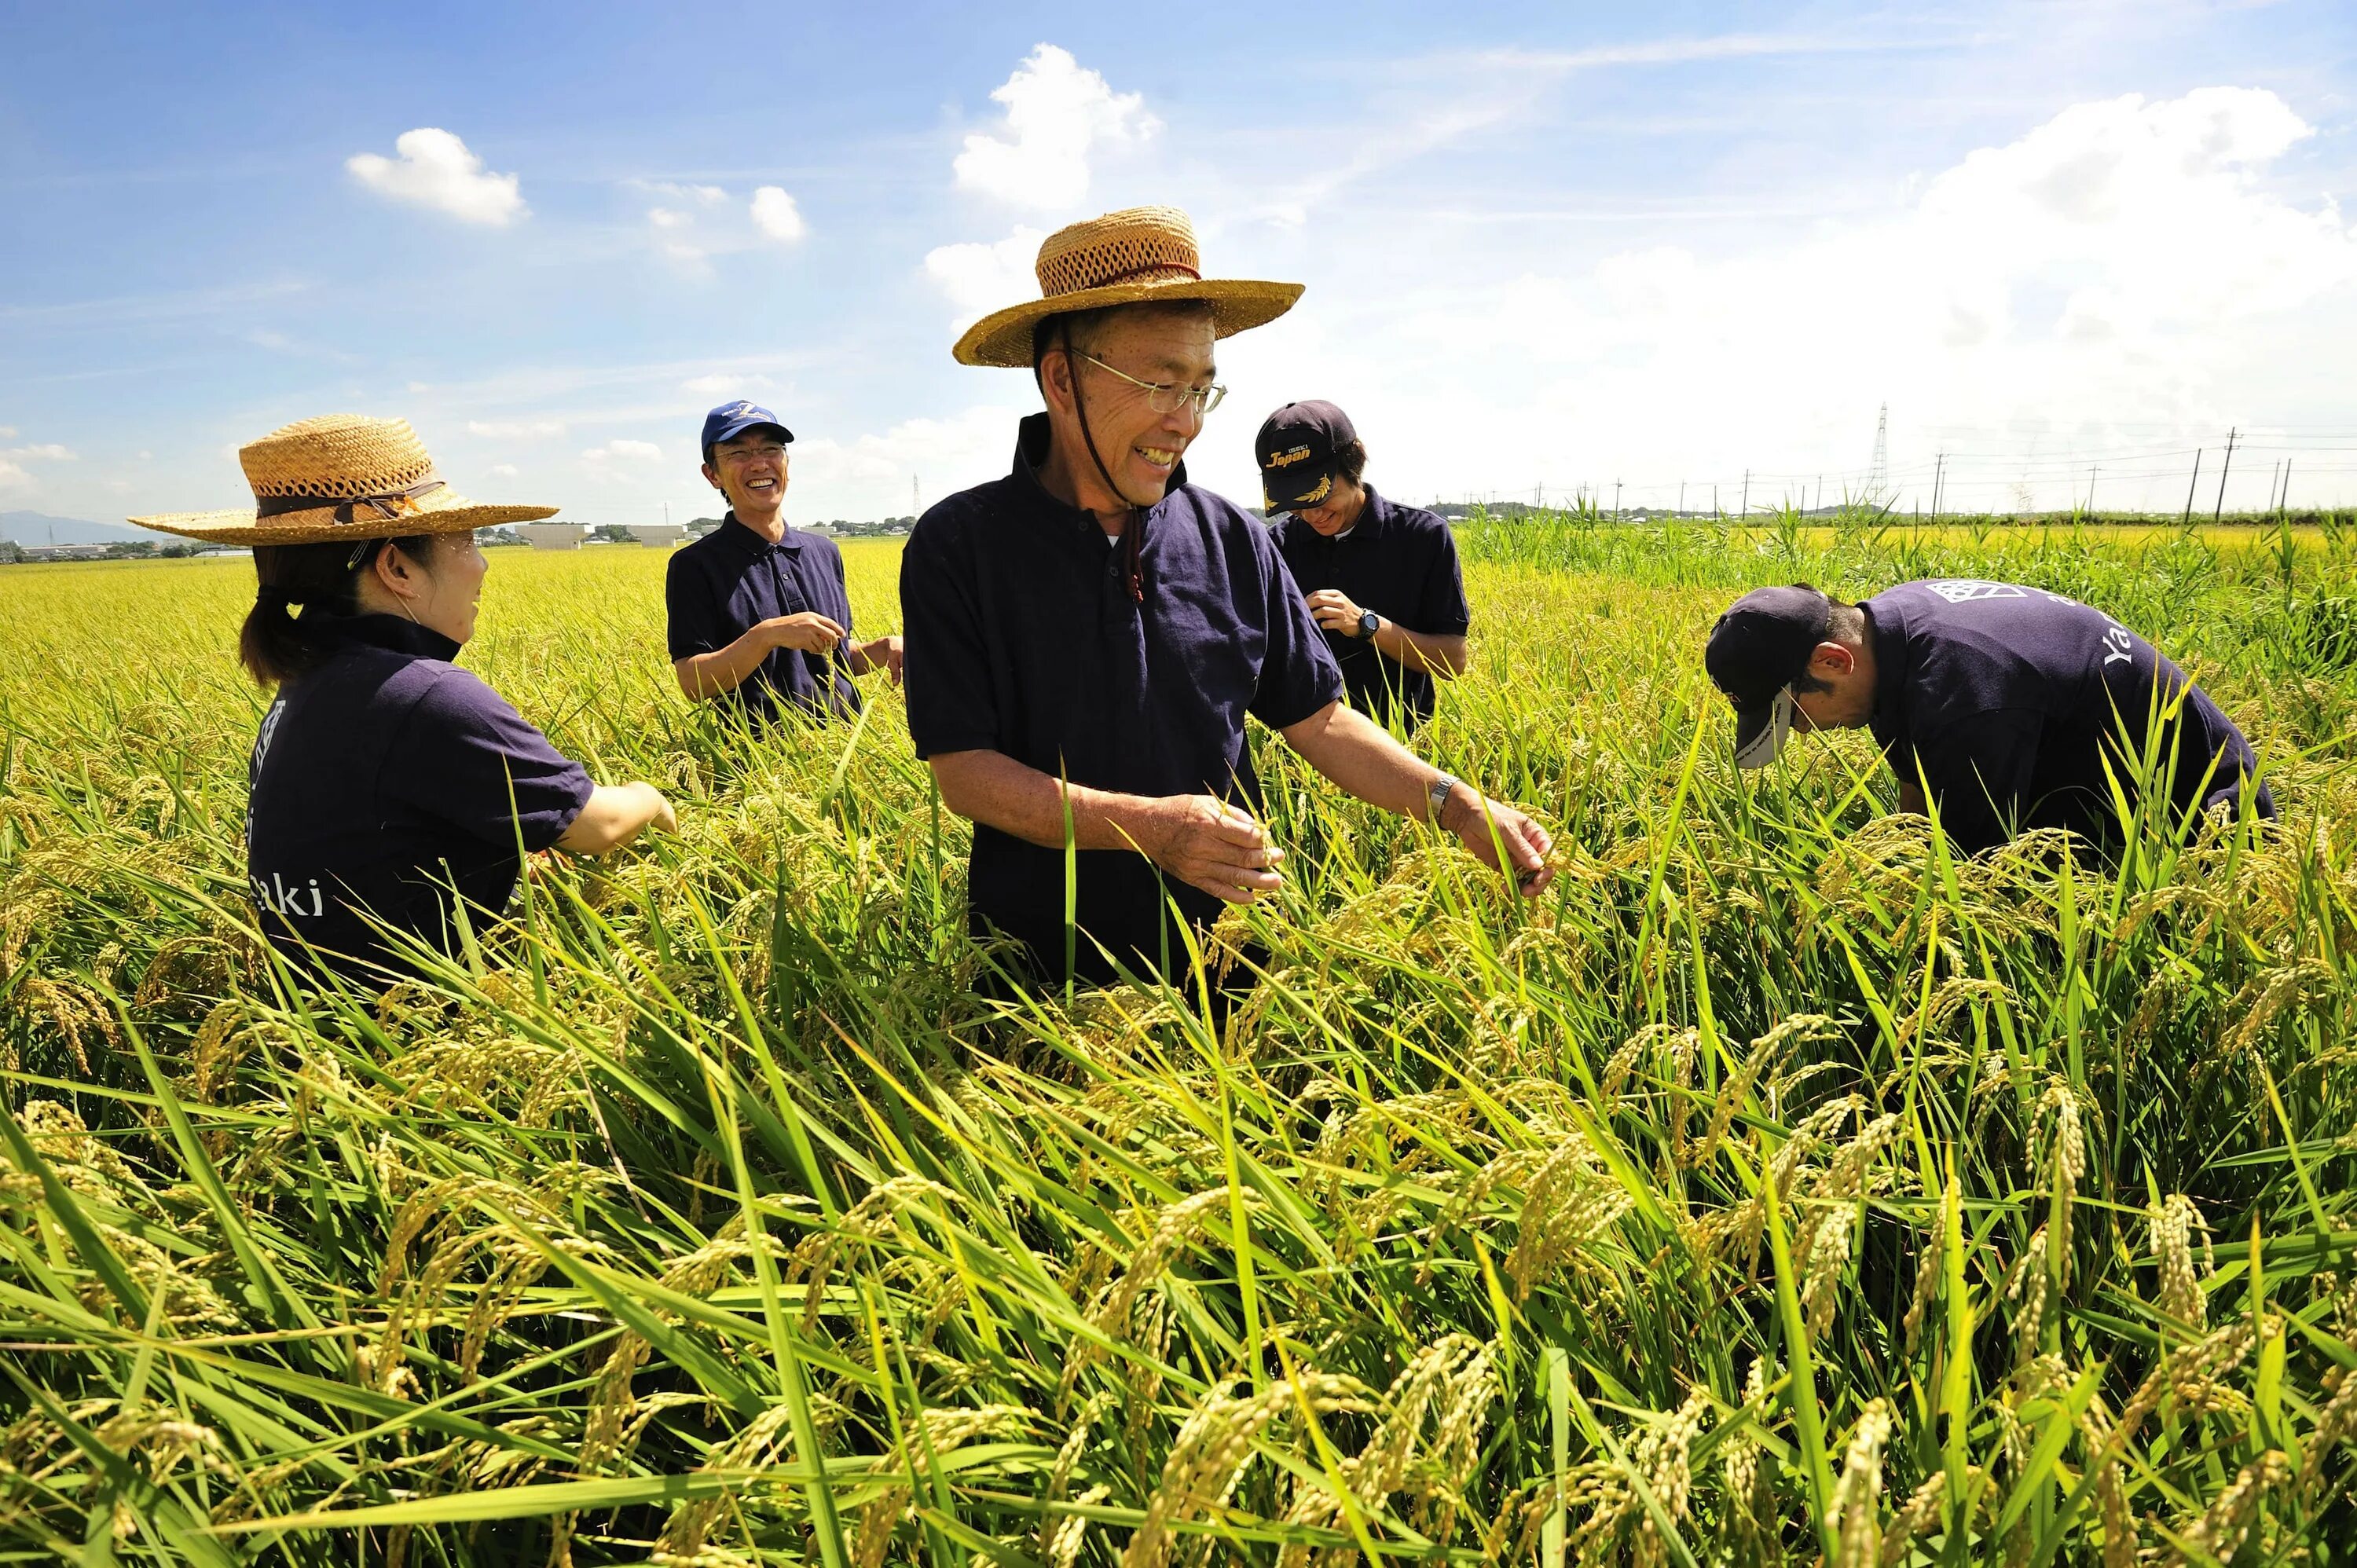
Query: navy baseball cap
1759	647
731	420
1296	449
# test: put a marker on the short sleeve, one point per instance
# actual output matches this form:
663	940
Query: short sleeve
945	668
1442	611
1979	774
693	617
466	757
1297	672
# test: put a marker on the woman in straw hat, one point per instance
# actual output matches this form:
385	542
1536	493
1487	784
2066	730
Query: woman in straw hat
392	793
1085	635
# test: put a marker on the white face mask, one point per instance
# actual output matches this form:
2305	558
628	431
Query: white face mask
1765	745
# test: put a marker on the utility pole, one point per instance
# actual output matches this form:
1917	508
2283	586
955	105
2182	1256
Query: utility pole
2225	469
2196	479
1747	492
1682	498
2274	472
1938	475
1616	500
913	508
2090	490
2284	504
1714	503
1820	494
666	514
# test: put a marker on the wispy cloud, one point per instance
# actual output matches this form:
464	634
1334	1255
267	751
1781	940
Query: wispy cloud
434	168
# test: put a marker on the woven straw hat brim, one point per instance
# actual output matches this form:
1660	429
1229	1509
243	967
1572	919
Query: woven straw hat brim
1238	305
444	511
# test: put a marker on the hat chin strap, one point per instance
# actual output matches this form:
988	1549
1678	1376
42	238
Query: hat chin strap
1133	568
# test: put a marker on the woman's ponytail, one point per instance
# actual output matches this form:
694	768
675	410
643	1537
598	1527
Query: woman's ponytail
277	645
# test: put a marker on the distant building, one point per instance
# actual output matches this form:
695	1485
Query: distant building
661	534
551	535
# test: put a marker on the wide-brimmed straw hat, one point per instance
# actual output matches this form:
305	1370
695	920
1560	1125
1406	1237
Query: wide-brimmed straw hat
342	476
1128	257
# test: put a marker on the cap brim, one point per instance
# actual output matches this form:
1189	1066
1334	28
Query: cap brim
1298	489
1760	733
1238	305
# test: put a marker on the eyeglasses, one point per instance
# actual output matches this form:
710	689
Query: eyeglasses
1163	397
746	454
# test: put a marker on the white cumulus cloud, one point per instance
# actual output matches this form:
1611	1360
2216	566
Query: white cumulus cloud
1059	112
503	470
14	475
2101	274
436	169
776	217
981	277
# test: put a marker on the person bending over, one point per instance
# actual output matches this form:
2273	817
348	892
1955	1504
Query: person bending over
2005	708
388	786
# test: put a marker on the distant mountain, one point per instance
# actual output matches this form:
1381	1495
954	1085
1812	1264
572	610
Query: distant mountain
40	527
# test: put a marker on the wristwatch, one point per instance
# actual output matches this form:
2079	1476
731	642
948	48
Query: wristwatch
1369	623
1442	788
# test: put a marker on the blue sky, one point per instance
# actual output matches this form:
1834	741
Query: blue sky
1544	245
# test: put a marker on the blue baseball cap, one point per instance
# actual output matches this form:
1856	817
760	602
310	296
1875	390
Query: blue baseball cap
731	420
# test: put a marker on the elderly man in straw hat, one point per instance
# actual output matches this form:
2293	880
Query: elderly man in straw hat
1085	635
391	792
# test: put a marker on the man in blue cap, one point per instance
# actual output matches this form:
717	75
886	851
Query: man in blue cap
2003	707
759	619
1381	578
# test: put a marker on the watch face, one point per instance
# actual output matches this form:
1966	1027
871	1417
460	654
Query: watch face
1368	623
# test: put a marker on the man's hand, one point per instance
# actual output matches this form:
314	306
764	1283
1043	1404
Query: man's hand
877	654
1334	611
809	632
1469	816
1208	843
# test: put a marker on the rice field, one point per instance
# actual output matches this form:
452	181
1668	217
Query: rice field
1781	1187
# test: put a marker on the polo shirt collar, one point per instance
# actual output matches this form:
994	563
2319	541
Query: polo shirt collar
1374	518
751	542
395	634
1031	439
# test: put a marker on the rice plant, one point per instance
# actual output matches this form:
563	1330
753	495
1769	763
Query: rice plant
1782	1186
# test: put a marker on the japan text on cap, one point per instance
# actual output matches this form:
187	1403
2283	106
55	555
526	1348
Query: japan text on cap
1759	647
731	420
1296	450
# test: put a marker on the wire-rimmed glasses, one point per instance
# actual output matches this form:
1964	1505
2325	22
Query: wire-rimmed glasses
1163	397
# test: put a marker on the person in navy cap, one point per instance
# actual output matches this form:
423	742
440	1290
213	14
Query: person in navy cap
759	619
1088	634
1381	578
2004	707
392	794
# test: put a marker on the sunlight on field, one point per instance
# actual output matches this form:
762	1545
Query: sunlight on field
1808	1191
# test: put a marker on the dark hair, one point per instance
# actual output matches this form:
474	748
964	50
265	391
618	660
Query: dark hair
1087	326
1844	623
275	645
1350	460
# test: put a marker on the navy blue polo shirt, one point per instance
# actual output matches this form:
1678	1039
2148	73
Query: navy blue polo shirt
2010	699
1023	637
1401	563
718	587
386	779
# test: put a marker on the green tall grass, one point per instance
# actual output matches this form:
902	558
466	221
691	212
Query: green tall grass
1780	1187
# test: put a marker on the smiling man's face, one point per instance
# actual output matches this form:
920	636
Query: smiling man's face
1141	447
751	470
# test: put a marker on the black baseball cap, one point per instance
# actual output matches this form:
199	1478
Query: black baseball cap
731	420
1759	647
1296	450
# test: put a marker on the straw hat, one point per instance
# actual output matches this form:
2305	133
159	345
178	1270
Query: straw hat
1123	258
342	476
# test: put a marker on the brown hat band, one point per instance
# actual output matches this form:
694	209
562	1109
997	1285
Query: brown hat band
348	509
